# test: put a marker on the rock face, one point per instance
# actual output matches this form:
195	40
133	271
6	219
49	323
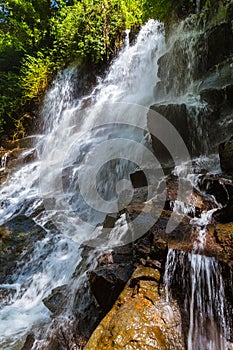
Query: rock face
195	91
185	120
226	155
141	307
140	318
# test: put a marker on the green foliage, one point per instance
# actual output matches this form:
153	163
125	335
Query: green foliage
34	75
92	29
164	9
10	97
24	29
38	37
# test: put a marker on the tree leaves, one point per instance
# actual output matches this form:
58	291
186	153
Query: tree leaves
39	37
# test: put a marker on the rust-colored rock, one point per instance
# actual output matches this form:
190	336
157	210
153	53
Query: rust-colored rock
140	319
223	236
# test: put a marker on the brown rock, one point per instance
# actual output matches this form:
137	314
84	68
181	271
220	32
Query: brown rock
223	235
140	318
29	342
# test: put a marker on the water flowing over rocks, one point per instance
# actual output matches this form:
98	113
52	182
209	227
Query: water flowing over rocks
195	88
146	294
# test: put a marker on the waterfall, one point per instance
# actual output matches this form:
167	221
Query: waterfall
194	279
198	280
69	134
89	145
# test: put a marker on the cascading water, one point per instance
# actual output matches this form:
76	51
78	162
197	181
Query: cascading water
200	283
54	257
199	280
70	133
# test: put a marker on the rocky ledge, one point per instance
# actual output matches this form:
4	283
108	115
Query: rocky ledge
141	318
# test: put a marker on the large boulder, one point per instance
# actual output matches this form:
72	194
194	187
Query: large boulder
56	301
141	318
218	186
108	282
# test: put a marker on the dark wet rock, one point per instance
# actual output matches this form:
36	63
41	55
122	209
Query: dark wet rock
29	342
219	41
211	47
159	250
216	97
226	155
138	179
184	120
17	238
123	254
150	322
213	96
110	221
224	215
219	186
107	283
63	336
56	301
212	123
217	80
204	60
177	115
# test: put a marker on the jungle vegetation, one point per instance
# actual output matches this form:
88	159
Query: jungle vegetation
40	37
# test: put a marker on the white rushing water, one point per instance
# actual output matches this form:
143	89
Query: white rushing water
68	136
199	280
54	189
